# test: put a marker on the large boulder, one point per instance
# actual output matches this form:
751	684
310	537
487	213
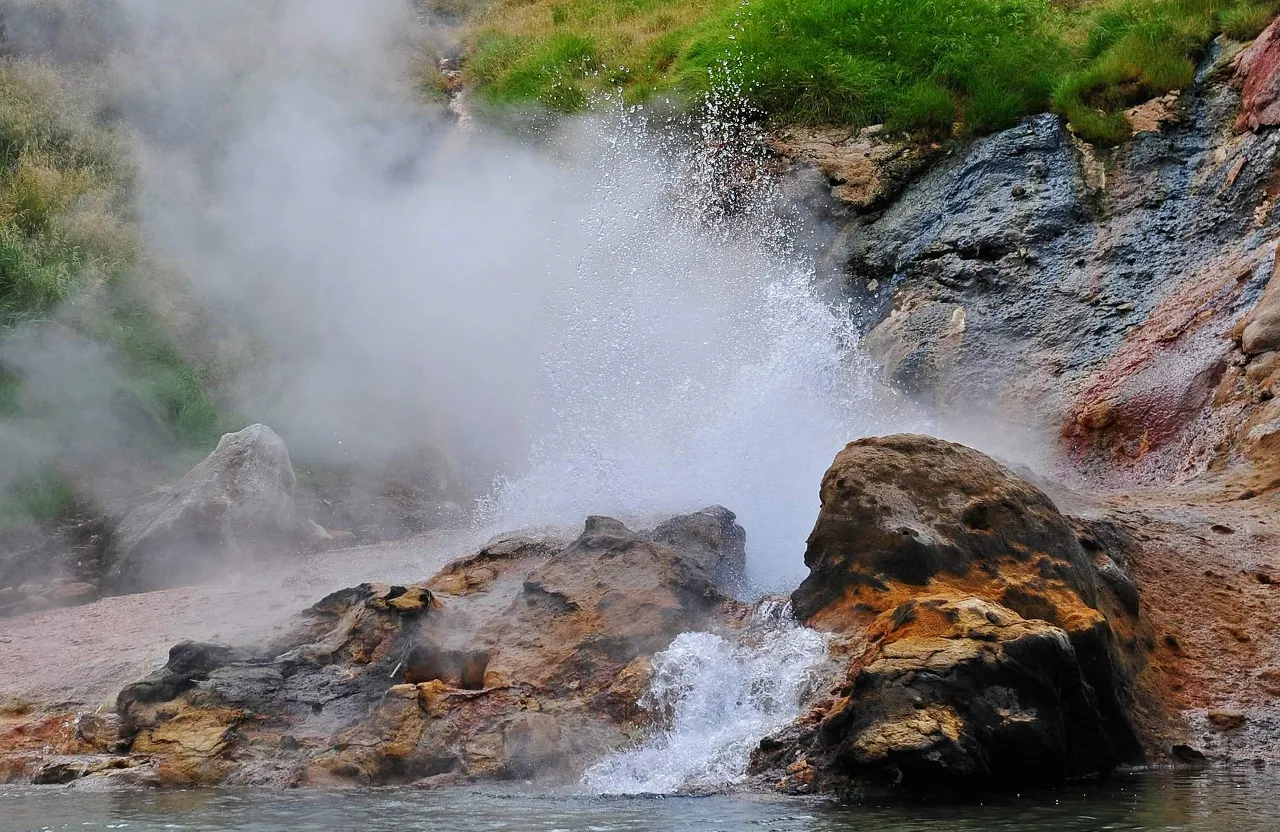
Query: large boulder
909	511
521	660
967	614
236	505
1258	78
1259	331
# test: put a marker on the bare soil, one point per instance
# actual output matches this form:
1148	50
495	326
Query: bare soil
80	657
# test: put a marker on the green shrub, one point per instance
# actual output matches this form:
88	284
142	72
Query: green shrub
61	238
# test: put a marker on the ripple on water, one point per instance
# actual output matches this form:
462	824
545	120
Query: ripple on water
1210	801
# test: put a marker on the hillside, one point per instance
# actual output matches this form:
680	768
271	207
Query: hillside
79	298
972	66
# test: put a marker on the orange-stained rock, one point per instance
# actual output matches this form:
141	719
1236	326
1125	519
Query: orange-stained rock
513	662
903	512
970	619
954	691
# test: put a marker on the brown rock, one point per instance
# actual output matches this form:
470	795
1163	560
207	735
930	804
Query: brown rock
1151	116
904	511
629	687
977	654
1226	720
963	690
1258	78
513	670
864	166
78	592
499	557
584	614
36	603
1260	329
60	770
532	742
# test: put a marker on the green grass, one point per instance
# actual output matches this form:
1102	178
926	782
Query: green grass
561	52
160	380
1135	50
69	252
910	64
36	499
936	66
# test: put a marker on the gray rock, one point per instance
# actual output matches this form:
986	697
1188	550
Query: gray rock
1052	260
235	506
711	538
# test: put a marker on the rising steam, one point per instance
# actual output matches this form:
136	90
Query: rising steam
561	314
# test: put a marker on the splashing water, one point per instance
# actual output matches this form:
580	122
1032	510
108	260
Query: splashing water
707	370
720	699
611	318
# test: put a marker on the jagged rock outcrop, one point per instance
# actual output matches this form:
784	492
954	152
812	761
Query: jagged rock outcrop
234	506
972	624
1092	292
1258	78
865	167
521	660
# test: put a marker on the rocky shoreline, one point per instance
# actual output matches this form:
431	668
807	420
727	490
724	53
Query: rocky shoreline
979	639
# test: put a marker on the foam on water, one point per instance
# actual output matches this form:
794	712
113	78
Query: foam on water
719	699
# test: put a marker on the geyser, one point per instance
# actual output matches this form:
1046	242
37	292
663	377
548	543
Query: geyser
583	321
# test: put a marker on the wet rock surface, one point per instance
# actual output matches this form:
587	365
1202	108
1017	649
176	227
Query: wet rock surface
521	660
977	651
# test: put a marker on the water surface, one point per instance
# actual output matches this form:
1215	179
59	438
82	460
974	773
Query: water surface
1217	801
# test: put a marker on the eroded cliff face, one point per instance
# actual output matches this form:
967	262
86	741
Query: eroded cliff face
1097	294
1124	301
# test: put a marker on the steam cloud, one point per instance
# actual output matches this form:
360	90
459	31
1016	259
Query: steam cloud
548	311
